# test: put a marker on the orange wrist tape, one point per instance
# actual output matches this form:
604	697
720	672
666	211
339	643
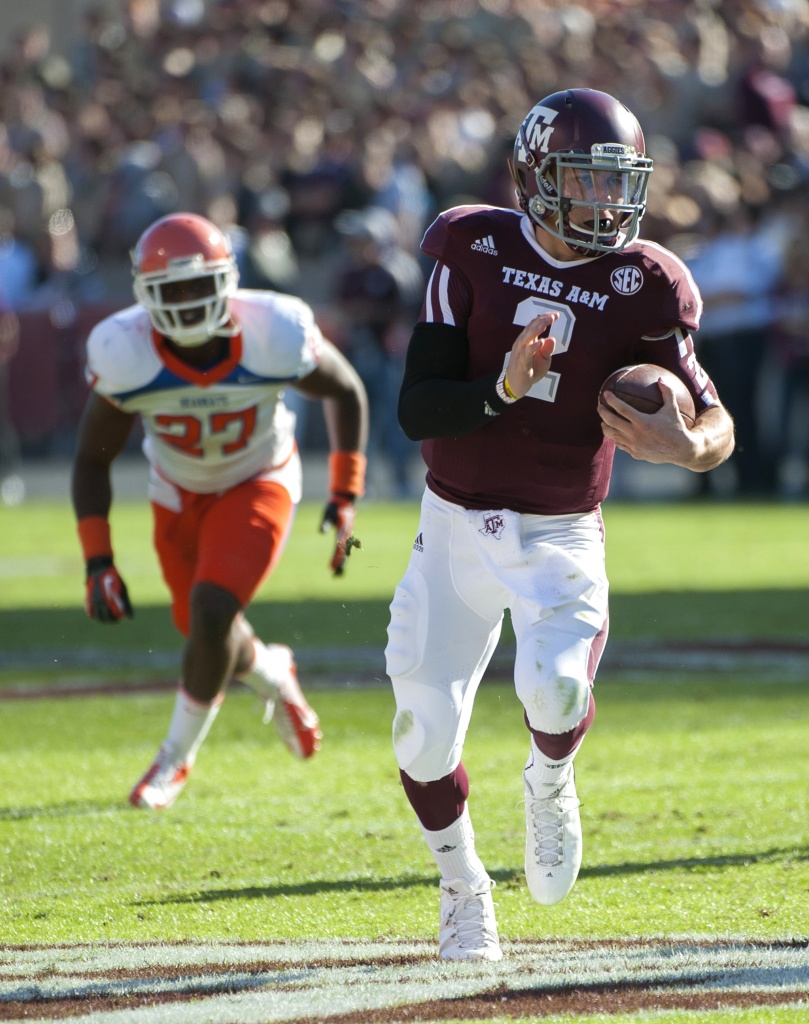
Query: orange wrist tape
94	536
347	473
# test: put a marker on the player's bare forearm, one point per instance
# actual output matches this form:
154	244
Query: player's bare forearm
346	419
102	435
345	404
91	489
664	437
714	439
345	409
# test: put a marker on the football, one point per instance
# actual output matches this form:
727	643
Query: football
637	386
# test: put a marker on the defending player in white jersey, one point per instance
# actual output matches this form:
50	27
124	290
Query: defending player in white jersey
526	313
205	365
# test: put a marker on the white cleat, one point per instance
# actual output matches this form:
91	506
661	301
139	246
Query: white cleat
161	785
468	930
553	843
296	723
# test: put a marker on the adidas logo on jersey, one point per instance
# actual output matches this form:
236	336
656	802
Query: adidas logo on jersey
485	245
418	545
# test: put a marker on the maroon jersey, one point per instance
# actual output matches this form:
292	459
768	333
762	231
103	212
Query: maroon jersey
547	454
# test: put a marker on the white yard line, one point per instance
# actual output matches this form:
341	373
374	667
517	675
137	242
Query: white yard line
287	981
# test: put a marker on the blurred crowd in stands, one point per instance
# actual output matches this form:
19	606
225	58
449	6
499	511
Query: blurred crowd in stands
307	126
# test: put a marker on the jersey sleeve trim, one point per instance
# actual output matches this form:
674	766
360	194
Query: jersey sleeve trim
448	297
437	293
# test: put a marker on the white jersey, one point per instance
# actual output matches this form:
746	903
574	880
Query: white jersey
208	430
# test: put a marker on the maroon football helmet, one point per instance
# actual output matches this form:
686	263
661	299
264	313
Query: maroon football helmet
582	149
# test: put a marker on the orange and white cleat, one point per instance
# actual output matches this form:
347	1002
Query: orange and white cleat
162	784
296	722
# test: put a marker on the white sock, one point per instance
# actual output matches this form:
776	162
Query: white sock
189	726
270	668
454	851
540	770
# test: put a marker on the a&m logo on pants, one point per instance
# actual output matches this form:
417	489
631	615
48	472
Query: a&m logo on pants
493	526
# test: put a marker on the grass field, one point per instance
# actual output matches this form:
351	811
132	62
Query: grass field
693	784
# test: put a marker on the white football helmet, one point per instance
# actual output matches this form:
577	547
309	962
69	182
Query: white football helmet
185	247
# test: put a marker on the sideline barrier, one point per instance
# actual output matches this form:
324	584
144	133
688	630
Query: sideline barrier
46	385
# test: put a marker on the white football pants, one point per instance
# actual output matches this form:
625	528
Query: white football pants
466	568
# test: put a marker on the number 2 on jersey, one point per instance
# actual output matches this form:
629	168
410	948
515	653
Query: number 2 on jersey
545	389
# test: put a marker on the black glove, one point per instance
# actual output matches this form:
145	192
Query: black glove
106	598
340	514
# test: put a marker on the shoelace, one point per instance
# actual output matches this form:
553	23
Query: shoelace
469	920
548	815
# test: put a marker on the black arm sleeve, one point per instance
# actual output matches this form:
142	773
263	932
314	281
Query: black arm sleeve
435	399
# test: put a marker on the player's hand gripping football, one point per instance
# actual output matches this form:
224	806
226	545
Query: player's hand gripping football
339	514
106	598
660	437
531	353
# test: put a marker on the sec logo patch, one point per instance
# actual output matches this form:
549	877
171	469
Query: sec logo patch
626	280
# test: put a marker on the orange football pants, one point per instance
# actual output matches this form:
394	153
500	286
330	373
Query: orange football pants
232	540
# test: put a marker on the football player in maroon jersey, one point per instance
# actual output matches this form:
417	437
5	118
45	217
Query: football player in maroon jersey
525	314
